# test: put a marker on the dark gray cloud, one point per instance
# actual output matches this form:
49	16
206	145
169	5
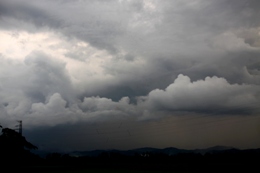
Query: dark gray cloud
47	77
103	61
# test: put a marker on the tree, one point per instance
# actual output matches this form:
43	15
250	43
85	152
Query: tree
14	147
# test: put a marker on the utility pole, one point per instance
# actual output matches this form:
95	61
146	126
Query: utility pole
20	127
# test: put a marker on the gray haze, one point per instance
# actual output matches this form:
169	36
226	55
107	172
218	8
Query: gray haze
125	74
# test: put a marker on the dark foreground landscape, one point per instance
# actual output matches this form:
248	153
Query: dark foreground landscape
216	159
17	154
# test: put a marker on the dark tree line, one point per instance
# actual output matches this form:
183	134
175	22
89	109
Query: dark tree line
224	161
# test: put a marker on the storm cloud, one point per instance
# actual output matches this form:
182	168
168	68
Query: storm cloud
73	62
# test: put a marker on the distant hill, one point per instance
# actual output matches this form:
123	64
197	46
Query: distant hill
213	149
168	151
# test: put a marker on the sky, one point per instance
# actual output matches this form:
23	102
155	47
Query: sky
124	74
